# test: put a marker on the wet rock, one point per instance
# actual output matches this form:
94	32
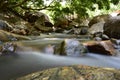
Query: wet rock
8	48
101	47
77	31
5	26
98	36
72	47
116	43
84	31
112	27
7	36
19	31
97	39
76	72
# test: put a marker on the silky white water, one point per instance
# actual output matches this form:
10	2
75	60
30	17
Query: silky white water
22	63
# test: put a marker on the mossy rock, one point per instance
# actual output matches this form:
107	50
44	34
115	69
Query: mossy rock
76	72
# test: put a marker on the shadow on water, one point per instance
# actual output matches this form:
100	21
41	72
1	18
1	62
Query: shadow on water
22	63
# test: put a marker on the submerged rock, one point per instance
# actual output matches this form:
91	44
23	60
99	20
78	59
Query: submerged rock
77	72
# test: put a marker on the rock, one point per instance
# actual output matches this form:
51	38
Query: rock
8	48
98	36
5	26
112	27
39	22
76	72
40	26
33	16
19	25
49	49
77	31
72	47
99	18
98	27
7	36
101	47
61	23
116	43
97	39
22	28
84	31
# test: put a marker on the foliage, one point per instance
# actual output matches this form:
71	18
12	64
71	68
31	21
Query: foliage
82	8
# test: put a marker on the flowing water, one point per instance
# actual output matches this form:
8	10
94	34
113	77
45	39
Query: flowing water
26	62
23	63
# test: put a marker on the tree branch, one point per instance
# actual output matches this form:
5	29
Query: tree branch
3	4
26	8
19	4
16	13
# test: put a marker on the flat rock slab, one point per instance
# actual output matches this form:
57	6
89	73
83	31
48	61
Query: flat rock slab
76	72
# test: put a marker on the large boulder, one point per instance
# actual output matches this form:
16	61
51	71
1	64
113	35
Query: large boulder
99	18
40	21
112	27
97	23
32	17
101	47
72	47
76	72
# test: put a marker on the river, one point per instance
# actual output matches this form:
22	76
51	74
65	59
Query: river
28	61
22	63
